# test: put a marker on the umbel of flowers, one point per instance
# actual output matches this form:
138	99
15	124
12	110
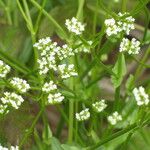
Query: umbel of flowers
132	47
122	23
21	85
114	118
12	99
83	115
50	52
49	86
74	26
4	69
10	148
140	96
99	106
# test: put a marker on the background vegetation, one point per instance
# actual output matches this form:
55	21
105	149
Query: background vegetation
23	22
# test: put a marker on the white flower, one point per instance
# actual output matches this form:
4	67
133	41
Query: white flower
11	148
47	87
140	96
114	118
111	27
50	53
83	48
4	69
55	98
99	106
12	99
21	85
132	47
83	115
74	26
123	23
67	71
3	109
64	52
42	43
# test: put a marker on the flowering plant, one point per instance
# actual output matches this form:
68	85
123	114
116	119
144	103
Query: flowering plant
85	74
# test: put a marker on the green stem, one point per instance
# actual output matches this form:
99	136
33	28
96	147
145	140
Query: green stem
27	11
13	63
8	15
37	24
142	64
143	60
67	120
76	122
118	134
80	9
117	99
7	10
24	15
71	116
28	133
124	3
33	37
103	13
50	18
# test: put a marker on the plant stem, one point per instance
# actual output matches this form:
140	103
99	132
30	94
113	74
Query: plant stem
124	3
50	18
143	60
76	122
27	18
80	9
117	99
8	15
71	116
37	24
67	120
27	134
118	134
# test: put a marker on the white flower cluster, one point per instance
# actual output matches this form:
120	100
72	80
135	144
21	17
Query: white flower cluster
140	96
4	69
65	52
83	48
55	98
99	106
122	24
49	53
3	109
83	115
73	25
21	85
132	47
12	99
114	118
67	71
11	148
48	87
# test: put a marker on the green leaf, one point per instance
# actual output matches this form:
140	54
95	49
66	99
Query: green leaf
120	70
139	7
68	147
55	144
37	140
26	52
47	134
130	83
